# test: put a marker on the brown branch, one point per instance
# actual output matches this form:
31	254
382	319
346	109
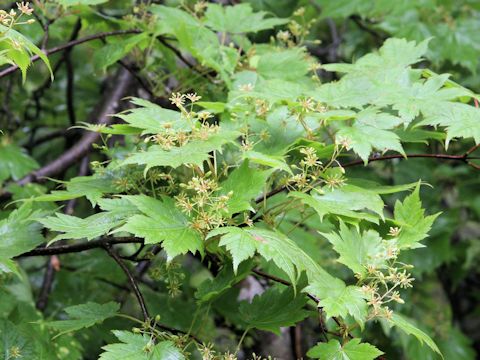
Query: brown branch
48	277
132	281
399	156
79	247
462	158
71	44
102	113
71	75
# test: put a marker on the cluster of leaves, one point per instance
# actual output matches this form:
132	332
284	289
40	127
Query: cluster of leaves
237	165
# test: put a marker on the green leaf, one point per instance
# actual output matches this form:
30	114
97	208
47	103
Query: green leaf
277	162
356	250
112	52
273	309
19	233
12	338
162	222
460	120
89	228
277	247
414	225
403	324
347	201
341	300
84	316
194	152
139	347
226	278
20	49
371	131
92	187
245	183
352	350
201	42
68	3
14	163
239	19
285	64
152	118
238	242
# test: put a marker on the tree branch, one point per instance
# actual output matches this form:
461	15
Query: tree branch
79	247
462	158
70	44
132	281
102	112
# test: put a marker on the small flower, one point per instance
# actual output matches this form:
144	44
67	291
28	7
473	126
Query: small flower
314	66
387	313
193	97
204	116
24	8
396	297
199	7
394	231
307	104
15	352
283	36
311	158
246	87
177	99
334	181
344	142
299	12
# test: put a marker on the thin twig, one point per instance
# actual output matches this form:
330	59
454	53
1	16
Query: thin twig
462	158
79	247
102	113
71	44
132	281
71	75
46	288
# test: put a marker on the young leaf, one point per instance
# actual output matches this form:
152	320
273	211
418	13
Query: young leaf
410	216
162	222
352	350
272	245
347	201
194	152
371	130
152	118
402	323
14	162
20	49
84	316
92	187
273	309
341	300
286	64
19	233
460	120
14	341
139	347
89	228
356	250
239	19
276	162
68	3
112	52
245	183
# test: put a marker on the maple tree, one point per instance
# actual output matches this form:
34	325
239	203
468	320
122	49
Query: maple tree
167	158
